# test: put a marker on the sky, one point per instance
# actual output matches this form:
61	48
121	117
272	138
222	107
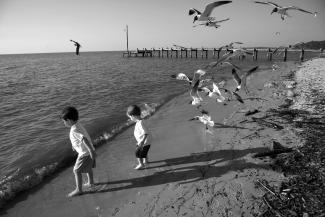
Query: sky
46	26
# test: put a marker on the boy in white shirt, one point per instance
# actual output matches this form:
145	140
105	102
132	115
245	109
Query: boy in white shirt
81	143
141	134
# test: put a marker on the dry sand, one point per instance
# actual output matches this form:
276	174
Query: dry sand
193	172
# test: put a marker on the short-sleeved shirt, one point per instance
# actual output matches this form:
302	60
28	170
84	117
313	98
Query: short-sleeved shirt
140	130
77	133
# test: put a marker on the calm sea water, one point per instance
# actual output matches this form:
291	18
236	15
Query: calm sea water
36	87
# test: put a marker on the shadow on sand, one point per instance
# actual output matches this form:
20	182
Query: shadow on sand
202	166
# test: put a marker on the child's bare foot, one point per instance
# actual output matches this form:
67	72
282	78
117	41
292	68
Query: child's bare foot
76	192
139	166
89	185
145	161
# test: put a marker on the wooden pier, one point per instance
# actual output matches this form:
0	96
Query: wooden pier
182	52
216	53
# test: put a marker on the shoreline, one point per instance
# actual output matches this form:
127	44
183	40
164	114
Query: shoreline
195	161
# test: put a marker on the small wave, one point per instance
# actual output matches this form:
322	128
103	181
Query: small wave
15	183
147	109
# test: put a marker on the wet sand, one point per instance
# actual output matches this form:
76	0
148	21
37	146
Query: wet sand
192	171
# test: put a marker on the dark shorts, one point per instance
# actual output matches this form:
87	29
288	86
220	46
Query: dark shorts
142	152
83	164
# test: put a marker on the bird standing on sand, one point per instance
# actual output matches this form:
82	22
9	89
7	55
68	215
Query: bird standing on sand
77	46
205	16
283	10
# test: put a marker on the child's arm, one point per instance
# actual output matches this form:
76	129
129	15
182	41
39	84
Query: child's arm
89	148
143	140
145	129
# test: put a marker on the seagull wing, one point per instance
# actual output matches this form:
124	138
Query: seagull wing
244	77
222	83
193	11
238	97
178	46
217	94
199	72
181	76
216	89
236	78
201	24
194	90
233	65
206	89
249	72
231	45
208	8
204	112
223	58
268	3
299	9
219	21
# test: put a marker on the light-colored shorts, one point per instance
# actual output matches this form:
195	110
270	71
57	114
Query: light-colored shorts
84	164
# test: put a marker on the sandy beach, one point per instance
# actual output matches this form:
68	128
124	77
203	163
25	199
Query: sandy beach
192	171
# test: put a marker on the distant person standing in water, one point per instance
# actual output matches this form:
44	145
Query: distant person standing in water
77	46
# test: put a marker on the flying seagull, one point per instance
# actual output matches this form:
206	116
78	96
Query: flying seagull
178	46
182	76
214	93
283	10
237	96
236	78
205	119
244	77
230	54
205	16
195	94
231	45
212	23
234	74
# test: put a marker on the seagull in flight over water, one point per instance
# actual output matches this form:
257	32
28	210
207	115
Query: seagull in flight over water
205	16
283	10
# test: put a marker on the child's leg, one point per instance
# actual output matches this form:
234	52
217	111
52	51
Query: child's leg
78	190
140	165
90	176
145	154
145	160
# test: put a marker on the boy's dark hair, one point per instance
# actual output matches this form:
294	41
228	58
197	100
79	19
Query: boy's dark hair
70	113
133	110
